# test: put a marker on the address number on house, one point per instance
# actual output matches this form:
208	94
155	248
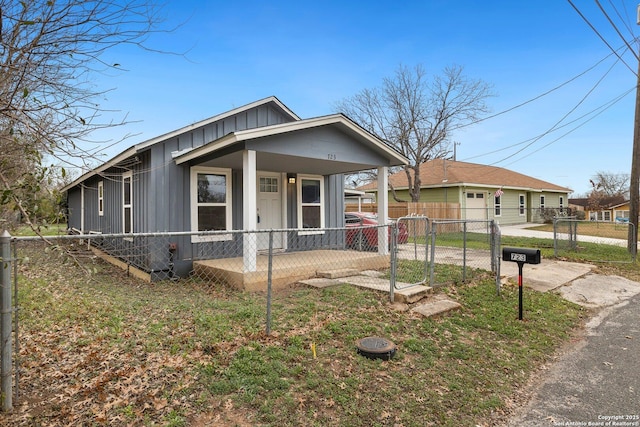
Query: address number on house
332	156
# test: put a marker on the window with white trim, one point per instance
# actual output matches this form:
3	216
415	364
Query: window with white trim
542	200
127	202
211	200
311	202
521	205
622	216
497	205
101	198
561	203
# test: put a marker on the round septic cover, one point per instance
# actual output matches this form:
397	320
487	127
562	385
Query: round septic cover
376	348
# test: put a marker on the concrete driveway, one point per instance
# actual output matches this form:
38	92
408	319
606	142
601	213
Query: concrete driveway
596	381
575	281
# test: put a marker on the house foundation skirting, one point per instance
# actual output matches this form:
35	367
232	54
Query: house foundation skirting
130	269
288	268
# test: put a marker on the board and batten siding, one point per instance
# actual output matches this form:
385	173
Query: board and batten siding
74	208
169	183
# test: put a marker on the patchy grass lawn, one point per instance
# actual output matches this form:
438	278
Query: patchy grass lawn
611	230
43	229
105	349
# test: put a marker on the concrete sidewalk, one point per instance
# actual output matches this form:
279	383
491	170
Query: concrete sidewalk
524	230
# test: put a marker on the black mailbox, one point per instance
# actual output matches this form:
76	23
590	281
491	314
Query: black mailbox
521	255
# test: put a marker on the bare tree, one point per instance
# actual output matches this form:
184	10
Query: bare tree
611	184
49	52
417	116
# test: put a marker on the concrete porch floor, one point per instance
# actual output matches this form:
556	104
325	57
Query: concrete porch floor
287	267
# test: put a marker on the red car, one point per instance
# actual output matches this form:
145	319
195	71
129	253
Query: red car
362	230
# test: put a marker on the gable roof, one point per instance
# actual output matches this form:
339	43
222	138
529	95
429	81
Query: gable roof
132	151
339	120
448	173
603	203
581	201
296	124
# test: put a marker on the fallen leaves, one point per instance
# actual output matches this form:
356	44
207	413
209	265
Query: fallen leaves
87	358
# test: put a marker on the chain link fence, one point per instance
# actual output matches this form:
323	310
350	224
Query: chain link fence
463	250
244	259
409	251
598	241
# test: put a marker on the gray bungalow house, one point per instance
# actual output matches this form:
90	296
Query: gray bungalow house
252	168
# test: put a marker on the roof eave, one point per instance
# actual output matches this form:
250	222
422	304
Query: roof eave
282	128
218	117
108	164
148	143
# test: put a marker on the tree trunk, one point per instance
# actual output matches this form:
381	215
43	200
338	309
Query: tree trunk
414	185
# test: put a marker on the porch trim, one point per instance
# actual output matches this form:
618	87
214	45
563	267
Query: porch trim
244	135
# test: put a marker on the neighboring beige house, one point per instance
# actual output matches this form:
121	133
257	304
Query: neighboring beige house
483	192
609	209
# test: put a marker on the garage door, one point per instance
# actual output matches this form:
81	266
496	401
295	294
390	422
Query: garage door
476	206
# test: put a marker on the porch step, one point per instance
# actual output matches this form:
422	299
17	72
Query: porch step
436	306
411	294
319	282
338	273
371	280
427	305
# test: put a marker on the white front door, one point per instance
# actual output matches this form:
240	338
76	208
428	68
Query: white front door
269	209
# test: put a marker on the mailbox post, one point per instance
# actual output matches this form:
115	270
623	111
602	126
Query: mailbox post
522	256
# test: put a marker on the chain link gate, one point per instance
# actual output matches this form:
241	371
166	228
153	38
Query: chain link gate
409	252
461	249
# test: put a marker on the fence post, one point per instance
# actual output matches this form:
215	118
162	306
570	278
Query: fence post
464	252
433	254
427	231
555	237
495	253
5	313
269	283
394	260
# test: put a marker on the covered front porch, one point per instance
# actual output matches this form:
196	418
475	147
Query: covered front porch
289	177
288	267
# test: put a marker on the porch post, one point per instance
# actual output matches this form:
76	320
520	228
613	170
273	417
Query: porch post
81	208
249	211
383	209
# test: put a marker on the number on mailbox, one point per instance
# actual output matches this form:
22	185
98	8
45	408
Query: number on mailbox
521	255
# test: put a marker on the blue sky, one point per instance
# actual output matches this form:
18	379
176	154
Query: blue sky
312	54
